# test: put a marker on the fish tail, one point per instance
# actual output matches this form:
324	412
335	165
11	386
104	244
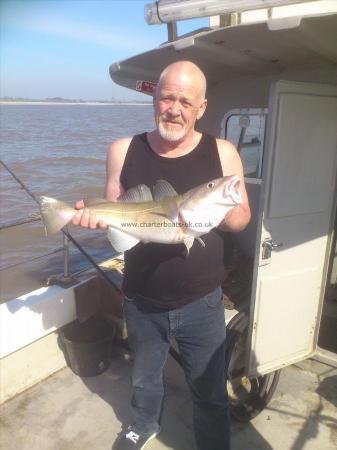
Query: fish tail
55	214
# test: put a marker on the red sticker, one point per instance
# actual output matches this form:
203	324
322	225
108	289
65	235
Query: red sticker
145	86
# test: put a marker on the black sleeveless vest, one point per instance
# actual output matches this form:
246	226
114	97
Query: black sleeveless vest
162	273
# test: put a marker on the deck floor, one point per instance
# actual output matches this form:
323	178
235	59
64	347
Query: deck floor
66	412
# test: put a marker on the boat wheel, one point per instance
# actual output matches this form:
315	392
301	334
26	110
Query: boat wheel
247	396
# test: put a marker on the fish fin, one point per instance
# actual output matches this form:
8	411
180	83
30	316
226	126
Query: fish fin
159	214
171	208
200	241
121	241
92	201
188	241
163	189
138	194
52	212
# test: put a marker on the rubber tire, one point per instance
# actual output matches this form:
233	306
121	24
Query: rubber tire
262	387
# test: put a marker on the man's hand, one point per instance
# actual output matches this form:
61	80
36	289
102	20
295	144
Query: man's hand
86	218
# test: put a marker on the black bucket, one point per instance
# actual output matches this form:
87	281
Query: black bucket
88	346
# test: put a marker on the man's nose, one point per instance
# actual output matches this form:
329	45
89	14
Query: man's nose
174	109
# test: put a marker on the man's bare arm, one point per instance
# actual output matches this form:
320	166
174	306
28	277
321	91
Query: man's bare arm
113	189
238	218
114	165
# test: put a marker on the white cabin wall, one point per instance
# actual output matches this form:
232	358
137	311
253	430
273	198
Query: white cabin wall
253	92
230	94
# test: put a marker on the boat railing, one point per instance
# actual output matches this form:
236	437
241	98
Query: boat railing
35	217
66	279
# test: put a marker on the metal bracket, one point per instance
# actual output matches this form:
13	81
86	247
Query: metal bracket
268	245
172	32
62	281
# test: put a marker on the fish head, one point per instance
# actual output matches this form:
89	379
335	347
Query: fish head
205	206
229	191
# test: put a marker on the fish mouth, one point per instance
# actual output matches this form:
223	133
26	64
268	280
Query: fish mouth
232	189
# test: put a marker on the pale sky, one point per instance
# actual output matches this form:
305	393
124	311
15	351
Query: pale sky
63	48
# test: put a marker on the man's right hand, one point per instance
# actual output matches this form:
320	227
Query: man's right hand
86	218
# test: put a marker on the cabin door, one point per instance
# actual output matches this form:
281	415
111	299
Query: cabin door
298	196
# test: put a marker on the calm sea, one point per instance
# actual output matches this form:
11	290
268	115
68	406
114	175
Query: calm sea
57	151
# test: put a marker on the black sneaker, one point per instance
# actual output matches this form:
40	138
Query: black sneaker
130	440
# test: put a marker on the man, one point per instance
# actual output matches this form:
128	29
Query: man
169	295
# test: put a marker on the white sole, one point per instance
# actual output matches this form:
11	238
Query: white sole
149	439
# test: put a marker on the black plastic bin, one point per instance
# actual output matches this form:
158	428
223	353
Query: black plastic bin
87	346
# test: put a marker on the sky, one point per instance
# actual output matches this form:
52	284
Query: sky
63	48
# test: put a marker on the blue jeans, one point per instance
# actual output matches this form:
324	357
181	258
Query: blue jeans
199	330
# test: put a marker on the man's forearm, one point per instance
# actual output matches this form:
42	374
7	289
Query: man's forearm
236	220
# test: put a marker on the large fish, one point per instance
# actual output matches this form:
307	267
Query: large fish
160	216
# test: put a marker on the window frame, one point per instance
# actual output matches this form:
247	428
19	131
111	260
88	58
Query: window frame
247	112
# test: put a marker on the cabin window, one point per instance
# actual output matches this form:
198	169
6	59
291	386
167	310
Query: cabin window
245	128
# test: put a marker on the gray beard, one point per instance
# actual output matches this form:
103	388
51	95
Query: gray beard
170	135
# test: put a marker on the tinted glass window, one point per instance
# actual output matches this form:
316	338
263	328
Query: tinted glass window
246	132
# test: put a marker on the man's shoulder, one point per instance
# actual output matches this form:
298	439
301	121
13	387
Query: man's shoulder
119	148
225	146
121	144
229	156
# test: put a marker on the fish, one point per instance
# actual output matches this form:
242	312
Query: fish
159	216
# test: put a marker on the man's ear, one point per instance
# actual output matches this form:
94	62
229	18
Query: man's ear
202	109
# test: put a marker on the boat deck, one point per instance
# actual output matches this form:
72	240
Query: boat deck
67	412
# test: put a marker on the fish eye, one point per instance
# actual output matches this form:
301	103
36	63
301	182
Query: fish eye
210	185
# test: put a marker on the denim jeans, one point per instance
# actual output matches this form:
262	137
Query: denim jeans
199	330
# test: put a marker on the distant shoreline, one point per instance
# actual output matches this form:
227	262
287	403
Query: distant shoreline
4	102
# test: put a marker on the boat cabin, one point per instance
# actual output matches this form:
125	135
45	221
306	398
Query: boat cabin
272	91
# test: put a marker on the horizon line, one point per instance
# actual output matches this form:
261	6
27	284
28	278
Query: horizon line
61	100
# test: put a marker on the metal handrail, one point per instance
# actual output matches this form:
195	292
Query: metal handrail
25	261
68	236
34	217
64	279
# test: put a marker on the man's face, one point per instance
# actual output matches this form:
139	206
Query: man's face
178	104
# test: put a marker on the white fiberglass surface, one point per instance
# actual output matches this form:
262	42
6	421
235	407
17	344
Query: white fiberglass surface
299	182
